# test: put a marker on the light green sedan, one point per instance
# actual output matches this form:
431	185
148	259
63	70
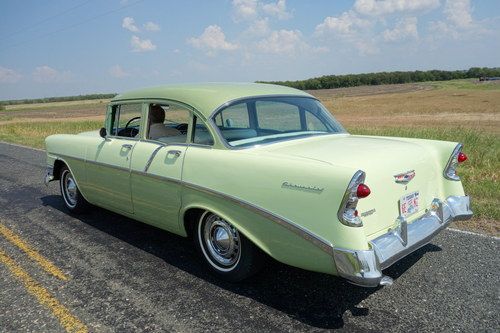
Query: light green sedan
255	170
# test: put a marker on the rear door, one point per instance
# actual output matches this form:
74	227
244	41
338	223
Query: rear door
108	164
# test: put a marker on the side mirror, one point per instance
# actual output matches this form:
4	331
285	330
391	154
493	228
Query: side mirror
103	133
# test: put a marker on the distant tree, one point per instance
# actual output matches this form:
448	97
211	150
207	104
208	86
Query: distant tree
352	80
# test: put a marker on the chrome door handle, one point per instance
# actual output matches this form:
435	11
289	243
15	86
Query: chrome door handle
127	146
176	153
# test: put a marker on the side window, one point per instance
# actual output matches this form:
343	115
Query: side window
235	116
168	123
314	124
278	116
201	134
126	120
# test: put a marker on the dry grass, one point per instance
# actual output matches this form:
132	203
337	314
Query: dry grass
435	108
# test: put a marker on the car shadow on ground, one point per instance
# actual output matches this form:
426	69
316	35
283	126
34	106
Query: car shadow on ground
315	299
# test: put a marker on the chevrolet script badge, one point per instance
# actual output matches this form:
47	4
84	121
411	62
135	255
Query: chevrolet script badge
405	177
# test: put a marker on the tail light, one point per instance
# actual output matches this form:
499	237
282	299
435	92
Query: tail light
356	190
457	157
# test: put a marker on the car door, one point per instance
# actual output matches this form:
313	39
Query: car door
156	169
108	164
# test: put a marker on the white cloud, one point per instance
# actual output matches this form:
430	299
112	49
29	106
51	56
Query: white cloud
345	24
211	40
366	46
405	28
141	45
129	24
277	9
458	23
118	72
259	27
282	42
8	75
46	74
351	29
384	7
458	12
244	9
151	26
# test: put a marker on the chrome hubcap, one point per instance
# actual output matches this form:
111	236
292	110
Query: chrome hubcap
222	241
69	188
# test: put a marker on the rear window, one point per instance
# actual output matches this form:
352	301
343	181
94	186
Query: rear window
268	119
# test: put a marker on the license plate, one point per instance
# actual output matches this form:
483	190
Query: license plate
408	204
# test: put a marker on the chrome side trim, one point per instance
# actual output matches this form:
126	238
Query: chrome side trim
95	163
107	165
318	241
150	160
161	178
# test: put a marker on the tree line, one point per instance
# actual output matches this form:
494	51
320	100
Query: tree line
57	99
353	80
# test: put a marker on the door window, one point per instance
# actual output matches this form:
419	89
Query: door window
127	120
168	123
201	134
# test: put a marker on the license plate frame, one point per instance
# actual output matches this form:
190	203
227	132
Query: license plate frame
409	204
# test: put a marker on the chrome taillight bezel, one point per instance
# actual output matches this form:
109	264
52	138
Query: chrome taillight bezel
450	171
347	209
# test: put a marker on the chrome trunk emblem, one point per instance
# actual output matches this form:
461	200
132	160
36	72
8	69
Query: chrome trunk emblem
405	177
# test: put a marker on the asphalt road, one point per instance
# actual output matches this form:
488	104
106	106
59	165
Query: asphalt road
126	276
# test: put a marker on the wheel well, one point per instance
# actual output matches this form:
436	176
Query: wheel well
58	164
191	216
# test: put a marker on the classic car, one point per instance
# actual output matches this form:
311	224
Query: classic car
255	170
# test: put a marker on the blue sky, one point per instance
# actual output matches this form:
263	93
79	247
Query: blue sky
68	47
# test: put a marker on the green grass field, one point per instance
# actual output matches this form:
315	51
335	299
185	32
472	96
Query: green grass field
34	134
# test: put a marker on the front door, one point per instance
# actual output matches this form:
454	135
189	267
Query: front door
108	164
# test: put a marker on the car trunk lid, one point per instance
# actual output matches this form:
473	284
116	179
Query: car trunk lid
381	159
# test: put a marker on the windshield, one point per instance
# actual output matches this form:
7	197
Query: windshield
269	119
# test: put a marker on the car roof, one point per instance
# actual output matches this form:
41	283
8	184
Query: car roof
207	97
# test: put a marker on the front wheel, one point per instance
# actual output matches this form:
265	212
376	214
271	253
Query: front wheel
226	252
73	199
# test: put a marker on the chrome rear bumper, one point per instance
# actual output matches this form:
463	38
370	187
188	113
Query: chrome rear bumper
364	267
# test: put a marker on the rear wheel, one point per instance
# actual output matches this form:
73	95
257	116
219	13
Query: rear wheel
226	252
73	199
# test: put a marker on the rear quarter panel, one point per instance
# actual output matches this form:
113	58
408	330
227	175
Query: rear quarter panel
257	179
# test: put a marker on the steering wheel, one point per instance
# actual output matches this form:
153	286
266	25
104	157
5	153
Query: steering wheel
131	120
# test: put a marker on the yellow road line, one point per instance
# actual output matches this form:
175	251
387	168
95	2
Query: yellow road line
47	266
67	320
